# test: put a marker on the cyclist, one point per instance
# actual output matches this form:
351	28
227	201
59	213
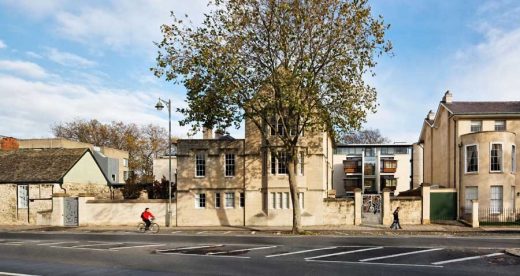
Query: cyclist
146	216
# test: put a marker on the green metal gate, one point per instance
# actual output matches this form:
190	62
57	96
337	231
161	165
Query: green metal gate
443	206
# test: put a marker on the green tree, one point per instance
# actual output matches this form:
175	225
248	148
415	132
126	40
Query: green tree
284	64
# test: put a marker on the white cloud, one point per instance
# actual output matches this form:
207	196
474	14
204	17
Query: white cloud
2	45
68	59
33	55
23	68
28	108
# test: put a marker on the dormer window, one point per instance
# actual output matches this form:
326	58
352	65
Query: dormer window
476	126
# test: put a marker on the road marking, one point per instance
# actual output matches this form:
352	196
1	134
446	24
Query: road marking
87	245
70	247
191	247
204	255
467	258
53	243
13	243
401	254
300	252
14	274
347	262
146	245
201	232
240	250
343	253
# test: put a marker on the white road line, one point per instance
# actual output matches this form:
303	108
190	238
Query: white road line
146	245
192	247
300	252
69	247
204	255
13	243
343	253
390	264
401	254
14	274
53	243
87	245
240	250
467	258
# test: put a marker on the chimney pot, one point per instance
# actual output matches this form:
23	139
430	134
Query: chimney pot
207	133
448	97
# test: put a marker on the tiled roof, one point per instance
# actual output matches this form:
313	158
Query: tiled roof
37	166
483	107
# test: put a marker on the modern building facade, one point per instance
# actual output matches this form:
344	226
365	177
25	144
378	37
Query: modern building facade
472	146
227	181
372	168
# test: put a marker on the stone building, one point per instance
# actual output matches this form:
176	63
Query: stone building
472	147
29	178
227	181
113	162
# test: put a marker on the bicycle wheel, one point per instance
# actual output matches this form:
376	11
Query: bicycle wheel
154	228
141	227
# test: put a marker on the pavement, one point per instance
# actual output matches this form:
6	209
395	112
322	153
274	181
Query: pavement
452	229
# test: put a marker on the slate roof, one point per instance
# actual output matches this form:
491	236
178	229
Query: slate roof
484	107
37	166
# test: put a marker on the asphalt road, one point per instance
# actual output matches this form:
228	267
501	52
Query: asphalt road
126	253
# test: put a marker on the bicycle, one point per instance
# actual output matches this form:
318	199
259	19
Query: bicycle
154	227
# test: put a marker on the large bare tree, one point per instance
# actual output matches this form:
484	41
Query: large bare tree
364	136
289	65
143	143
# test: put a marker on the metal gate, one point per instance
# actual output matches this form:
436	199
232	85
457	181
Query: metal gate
70	211
372	204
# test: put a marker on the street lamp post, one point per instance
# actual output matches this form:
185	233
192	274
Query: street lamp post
159	106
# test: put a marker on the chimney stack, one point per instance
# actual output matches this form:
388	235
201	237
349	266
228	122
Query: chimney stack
9	143
431	116
207	133
219	133
448	97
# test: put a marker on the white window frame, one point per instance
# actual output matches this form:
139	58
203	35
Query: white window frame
200	201
471	126
466	159
504	126
22	196
273	200
280	200
125	162
218	200
301	163
231	162
197	155
280	164
468	202
501	157
230	200
287	200
496	199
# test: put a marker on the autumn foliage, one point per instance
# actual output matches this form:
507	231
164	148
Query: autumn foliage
9	143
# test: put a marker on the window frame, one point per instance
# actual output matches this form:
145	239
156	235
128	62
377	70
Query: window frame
203	164
467	202
471	126
466	159
503	127
218	200
496	201
229	164
200	201
229	197
501	157
242	200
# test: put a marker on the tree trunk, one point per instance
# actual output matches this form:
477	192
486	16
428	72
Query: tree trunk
293	187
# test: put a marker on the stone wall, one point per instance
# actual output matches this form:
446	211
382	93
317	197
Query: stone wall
338	211
8	204
410	211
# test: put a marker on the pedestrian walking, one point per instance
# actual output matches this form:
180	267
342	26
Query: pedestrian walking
396	224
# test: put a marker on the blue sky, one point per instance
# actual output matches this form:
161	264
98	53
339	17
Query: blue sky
61	60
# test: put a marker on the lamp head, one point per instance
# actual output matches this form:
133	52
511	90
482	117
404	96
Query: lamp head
159	106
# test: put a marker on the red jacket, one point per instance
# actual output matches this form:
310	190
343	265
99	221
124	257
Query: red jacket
147	215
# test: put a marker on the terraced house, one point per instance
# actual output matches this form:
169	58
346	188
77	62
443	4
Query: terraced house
472	147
